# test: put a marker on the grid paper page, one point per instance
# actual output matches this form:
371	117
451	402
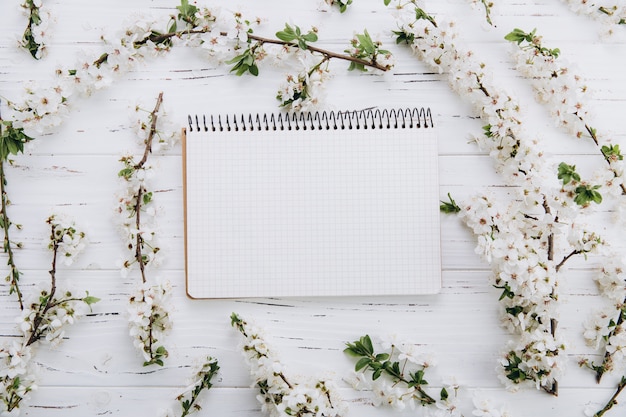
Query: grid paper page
312	213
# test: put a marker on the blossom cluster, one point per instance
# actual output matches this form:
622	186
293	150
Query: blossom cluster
398	375
36	30
527	240
44	107
202	377
398	380
605	328
51	309
566	94
16	377
305	90
44	318
149	320
47	314
65	238
609	13
280	395
220	35
136	207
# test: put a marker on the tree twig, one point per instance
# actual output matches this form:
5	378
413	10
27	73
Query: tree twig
14	274
140	192
613	400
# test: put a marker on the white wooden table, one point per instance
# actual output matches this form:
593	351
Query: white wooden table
96	371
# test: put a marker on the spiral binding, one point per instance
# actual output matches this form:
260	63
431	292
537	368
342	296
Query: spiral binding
357	119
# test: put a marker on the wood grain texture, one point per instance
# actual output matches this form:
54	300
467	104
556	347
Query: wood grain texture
95	371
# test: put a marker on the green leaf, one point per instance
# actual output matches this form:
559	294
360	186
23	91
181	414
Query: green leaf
518	36
443	394
236	59
567	173
366	42
362	363
367	344
310	37
12	140
586	194
387	2
147	197
172	28
89	300
405	37
514	311
126	173
286	36
381	357
612	153
506	291
253	69
450	206
421	14
186	11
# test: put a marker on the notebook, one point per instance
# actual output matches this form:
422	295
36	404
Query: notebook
311	204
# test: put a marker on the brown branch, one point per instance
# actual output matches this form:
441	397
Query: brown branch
613	400
14	273
36	332
152	133
140	192
569	255
326	53
600	370
162	37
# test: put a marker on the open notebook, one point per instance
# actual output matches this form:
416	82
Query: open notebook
320	204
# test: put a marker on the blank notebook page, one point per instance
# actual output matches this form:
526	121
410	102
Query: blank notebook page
311	212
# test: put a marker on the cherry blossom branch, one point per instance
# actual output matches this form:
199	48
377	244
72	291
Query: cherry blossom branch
140	192
613	400
518	241
326	53
14	274
554	84
149	318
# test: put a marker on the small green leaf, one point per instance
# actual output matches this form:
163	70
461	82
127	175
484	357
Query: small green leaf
89	300
362	363
443	394
518	36
612	153
285	36
405	37
450	206
310	37
567	173
366	42
172	28
367	344
382	357
586	194
126	173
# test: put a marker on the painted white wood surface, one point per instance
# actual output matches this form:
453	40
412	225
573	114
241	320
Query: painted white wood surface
95	371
